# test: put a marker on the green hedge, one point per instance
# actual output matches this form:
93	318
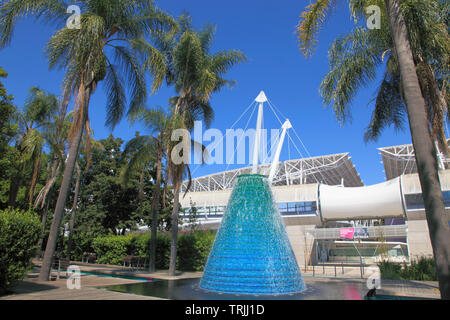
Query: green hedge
193	249
19	234
81	243
111	249
423	269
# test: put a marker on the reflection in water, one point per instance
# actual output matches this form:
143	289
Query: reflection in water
351	292
188	289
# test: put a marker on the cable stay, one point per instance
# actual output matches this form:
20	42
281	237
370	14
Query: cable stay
261	151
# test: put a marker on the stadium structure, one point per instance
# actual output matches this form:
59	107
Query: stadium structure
329	214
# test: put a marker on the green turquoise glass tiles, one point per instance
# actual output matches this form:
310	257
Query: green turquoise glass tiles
252	253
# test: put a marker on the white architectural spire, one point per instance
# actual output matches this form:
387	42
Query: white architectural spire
261	98
274	166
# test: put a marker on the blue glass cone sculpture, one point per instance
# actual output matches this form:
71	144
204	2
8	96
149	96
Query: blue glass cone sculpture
252	253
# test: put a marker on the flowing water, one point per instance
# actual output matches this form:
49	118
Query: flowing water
252	253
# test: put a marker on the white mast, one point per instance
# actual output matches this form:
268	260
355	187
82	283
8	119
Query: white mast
261	98
439	156
273	168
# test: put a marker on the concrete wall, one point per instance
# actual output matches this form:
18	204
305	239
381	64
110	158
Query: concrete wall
419	242
294	193
302	244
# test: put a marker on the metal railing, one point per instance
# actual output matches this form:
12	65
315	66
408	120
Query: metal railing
374	232
330	270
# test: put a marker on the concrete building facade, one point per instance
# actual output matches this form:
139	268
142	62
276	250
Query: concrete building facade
321	198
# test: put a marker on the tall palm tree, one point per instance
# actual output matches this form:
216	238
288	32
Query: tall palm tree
33	121
55	135
355	57
183	58
143	154
86	151
106	33
424	147
150	149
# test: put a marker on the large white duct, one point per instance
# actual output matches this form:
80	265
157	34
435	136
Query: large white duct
378	201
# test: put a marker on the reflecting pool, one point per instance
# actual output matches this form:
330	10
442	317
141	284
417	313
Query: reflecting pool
188	289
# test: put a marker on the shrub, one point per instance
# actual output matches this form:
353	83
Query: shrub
423	269
193	249
19	235
81	243
111	249
389	270
142	248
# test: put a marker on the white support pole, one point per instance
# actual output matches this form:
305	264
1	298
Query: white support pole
439	156
261	98
273	168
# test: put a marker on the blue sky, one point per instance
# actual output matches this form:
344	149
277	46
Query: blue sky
264	31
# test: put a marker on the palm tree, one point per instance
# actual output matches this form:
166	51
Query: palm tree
424	147
182	58
355	57
86	151
33	120
425	151
107	30
55	135
147	149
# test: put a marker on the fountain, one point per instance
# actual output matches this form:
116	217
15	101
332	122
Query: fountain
252	253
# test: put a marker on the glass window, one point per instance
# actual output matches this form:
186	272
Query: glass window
297	208
415	201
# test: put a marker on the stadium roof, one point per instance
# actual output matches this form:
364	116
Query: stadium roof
336	169
398	160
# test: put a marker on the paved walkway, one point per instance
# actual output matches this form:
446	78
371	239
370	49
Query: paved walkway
418	289
94	277
31	289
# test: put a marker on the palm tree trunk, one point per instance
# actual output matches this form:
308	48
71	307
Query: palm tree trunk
141	187
15	186
74	210
65	185
425	151
174	240
44	222
34	178
51	179
164	193
155	211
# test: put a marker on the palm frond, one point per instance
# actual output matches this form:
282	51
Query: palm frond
32	144
134	74
12	10
139	151
353	62
154	61
206	36
390	108
311	20
223	61
116	100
